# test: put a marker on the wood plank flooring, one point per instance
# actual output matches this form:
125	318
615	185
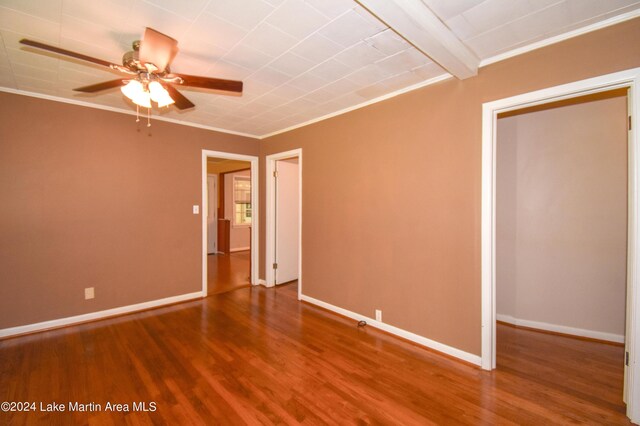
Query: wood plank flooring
259	356
226	272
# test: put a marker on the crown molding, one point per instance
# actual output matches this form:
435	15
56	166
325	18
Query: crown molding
561	37
364	104
121	111
231	132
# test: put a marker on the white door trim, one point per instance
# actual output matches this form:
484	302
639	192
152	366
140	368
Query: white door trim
490	110
271	223
205	211
255	258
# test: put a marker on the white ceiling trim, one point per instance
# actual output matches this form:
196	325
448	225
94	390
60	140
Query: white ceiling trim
417	24
231	132
364	104
561	37
121	110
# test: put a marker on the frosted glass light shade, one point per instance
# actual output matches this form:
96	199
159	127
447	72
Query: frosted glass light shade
134	90
159	94
143	99
165	101
156	90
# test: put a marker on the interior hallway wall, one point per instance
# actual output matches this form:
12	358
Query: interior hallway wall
561	216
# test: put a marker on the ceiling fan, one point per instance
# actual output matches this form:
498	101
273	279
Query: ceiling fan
150	76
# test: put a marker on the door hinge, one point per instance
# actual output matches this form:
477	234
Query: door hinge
275	174
626	359
629	122
275	266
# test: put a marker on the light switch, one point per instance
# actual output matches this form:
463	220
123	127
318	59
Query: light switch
196	209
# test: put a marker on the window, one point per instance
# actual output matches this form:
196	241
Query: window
242	201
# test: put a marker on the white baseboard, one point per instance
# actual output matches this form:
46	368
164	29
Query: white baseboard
233	250
46	325
432	344
264	283
600	335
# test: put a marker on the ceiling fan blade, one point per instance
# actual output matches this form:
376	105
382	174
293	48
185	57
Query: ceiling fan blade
65	52
100	86
181	101
157	48
210	83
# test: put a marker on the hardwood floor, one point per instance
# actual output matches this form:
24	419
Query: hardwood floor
258	356
226	272
575	372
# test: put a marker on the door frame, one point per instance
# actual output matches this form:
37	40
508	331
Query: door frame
215	210
490	110
270	216
255	220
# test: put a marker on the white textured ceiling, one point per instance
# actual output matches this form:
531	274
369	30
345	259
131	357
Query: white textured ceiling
299	59
492	27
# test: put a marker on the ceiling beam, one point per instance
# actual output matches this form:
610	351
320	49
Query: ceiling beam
417	24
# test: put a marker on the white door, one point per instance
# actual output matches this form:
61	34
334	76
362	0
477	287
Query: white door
212	214
286	214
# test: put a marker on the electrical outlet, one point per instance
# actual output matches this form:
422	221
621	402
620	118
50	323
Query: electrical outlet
89	293
196	209
378	315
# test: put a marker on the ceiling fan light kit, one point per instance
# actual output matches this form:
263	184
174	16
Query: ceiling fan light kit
142	93
160	95
135	91
148	65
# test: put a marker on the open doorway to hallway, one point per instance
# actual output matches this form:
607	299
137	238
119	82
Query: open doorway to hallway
229	221
561	245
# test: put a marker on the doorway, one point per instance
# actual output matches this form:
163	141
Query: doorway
561	242
229	221
626	79
284	218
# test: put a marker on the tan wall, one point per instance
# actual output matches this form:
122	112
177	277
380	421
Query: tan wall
506	201
561	216
419	260
88	201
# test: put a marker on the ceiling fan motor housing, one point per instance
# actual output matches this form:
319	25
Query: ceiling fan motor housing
131	60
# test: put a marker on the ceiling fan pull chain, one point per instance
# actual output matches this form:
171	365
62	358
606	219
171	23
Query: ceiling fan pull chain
148	117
